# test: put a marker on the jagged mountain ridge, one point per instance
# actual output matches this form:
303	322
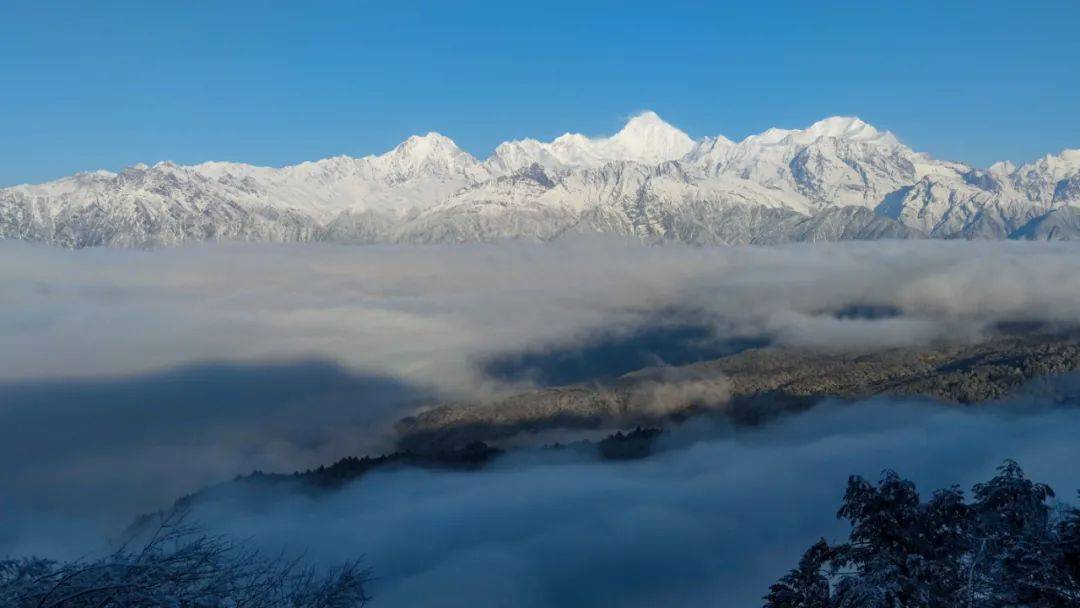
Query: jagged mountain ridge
838	179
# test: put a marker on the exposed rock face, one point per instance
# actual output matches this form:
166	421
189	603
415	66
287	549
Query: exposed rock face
1061	224
754	385
838	179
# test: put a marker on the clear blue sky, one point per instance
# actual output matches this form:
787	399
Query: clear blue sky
107	84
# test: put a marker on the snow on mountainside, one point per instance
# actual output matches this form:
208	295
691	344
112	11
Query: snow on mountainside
419	169
837	161
837	179
645	139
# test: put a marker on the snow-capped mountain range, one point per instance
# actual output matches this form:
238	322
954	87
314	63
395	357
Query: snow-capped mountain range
838	179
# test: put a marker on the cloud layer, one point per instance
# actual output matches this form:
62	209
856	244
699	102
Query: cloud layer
429	315
129	377
710	523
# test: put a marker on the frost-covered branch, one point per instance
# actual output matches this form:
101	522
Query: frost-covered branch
179	566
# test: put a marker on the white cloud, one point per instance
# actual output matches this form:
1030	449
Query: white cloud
426	314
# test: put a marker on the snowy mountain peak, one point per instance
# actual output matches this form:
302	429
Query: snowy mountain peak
647	138
648	124
1070	157
709	149
646	120
432	154
842	126
1002	167
837	178
427	146
1056	166
849	128
571	139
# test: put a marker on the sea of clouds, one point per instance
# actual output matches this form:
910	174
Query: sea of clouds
128	378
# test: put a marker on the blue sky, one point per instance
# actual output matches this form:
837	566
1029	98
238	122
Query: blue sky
108	84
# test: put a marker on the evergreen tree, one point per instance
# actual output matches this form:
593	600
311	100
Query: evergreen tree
943	541
1012	527
885	559
1008	548
1068	570
807	585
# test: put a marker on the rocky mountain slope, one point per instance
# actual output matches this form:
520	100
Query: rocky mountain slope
838	179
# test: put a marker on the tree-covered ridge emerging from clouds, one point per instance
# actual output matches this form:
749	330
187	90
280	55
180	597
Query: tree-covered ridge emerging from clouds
1009	546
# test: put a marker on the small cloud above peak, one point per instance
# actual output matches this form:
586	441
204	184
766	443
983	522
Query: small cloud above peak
646	117
851	127
839	123
431	137
648	121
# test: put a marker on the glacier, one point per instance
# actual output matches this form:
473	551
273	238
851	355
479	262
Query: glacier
838	179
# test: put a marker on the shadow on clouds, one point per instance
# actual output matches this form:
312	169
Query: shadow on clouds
607	355
103	449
